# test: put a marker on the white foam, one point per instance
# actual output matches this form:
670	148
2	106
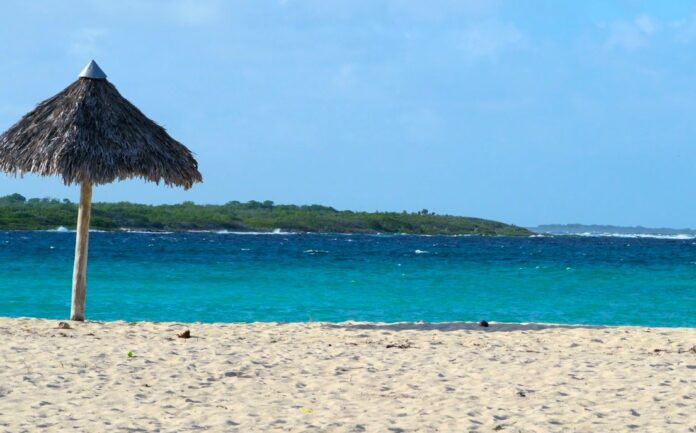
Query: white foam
227	232
421	252
146	232
679	236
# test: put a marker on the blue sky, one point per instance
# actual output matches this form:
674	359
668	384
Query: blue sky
526	112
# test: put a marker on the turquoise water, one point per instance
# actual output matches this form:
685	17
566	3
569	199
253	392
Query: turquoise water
212	277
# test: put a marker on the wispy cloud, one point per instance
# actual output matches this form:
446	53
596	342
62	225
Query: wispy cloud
630	35
178	12
195	12
439	10
400	11
487	40
85	42
421	126
10	110
645	24
685	30
344	77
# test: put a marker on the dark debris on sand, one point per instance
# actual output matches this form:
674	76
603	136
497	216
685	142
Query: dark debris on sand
406	345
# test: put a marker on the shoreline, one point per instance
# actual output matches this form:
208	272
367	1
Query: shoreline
421	325
281	232
344	377
276	231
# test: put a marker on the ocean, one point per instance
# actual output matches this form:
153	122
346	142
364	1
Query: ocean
231	277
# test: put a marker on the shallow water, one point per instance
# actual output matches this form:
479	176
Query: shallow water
213	277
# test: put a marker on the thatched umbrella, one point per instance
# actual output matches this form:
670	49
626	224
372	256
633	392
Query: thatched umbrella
90	135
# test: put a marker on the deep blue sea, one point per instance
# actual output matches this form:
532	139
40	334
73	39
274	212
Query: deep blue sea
223	277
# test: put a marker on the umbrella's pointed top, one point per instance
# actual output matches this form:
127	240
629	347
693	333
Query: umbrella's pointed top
92	70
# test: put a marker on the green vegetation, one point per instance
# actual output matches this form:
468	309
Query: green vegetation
18	213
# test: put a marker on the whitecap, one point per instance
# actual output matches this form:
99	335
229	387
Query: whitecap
60	229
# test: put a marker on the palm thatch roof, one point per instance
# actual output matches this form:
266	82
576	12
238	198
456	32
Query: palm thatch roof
90	133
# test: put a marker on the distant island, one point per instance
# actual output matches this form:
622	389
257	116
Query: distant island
20	213
594	229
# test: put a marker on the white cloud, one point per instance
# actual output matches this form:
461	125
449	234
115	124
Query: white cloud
489	39
631	35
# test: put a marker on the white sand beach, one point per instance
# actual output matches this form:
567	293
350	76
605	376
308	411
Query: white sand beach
347	377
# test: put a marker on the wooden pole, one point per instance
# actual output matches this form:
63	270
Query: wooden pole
79	284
